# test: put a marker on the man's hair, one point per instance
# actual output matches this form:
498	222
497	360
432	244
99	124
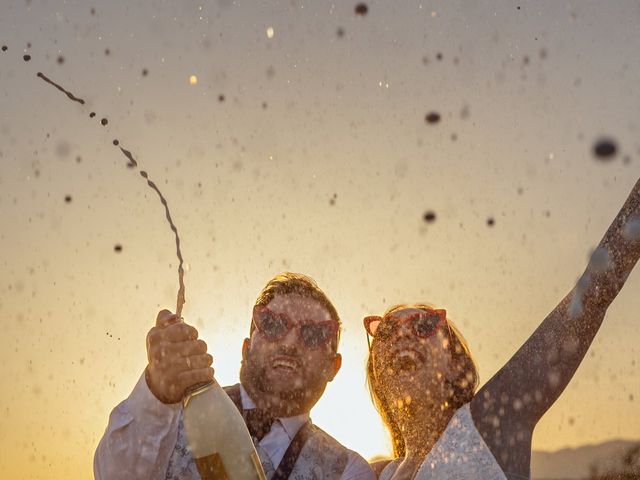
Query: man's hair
299	284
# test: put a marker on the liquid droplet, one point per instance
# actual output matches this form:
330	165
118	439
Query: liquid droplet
432	118
605	149
361	9
429	216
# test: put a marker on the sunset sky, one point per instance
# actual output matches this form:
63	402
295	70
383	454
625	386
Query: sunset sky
291	135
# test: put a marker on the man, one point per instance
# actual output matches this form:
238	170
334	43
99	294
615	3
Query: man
289	357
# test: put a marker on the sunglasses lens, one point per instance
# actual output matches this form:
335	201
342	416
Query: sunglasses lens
386	328
425	324
271	325
316	335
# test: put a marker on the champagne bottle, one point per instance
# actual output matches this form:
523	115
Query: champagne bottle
218	437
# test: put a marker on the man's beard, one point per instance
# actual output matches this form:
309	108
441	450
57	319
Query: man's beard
289	402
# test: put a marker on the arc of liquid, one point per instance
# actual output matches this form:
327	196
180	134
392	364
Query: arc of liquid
180	301
132	163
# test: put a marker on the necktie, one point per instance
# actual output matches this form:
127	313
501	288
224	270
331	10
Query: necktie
258	422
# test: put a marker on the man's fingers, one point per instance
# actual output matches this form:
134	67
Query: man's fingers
196	362
166	318
178	332
189	348
191	362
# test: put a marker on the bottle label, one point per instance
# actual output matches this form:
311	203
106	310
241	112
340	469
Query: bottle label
211	468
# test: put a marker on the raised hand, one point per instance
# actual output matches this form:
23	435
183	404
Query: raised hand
178	360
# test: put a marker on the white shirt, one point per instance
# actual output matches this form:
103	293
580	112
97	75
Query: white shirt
142	433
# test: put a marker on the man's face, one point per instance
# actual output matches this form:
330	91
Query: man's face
285	373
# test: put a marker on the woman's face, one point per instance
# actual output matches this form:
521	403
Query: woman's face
412	370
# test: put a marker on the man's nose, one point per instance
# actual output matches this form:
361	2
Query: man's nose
291	338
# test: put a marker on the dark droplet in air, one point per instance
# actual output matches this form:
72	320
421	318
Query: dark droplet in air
340	32
432	117
26	58
67	199
145	72
104	121
117	248
92	114
439	56
116	142
429	216
4	48
362	9
60	60
107	51
491	222
605	149
221	98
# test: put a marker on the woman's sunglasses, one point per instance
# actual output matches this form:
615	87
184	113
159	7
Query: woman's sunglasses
423	323
274	326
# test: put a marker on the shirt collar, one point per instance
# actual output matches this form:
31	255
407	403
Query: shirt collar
291	425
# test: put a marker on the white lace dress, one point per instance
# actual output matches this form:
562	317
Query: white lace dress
459	454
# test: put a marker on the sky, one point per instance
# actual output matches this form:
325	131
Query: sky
293	136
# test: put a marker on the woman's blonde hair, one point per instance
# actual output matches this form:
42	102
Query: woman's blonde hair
462	389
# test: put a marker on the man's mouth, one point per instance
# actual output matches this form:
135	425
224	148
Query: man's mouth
285	364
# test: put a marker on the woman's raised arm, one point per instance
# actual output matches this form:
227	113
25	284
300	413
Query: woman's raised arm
508	407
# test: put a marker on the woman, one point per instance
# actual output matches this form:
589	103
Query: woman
423	379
